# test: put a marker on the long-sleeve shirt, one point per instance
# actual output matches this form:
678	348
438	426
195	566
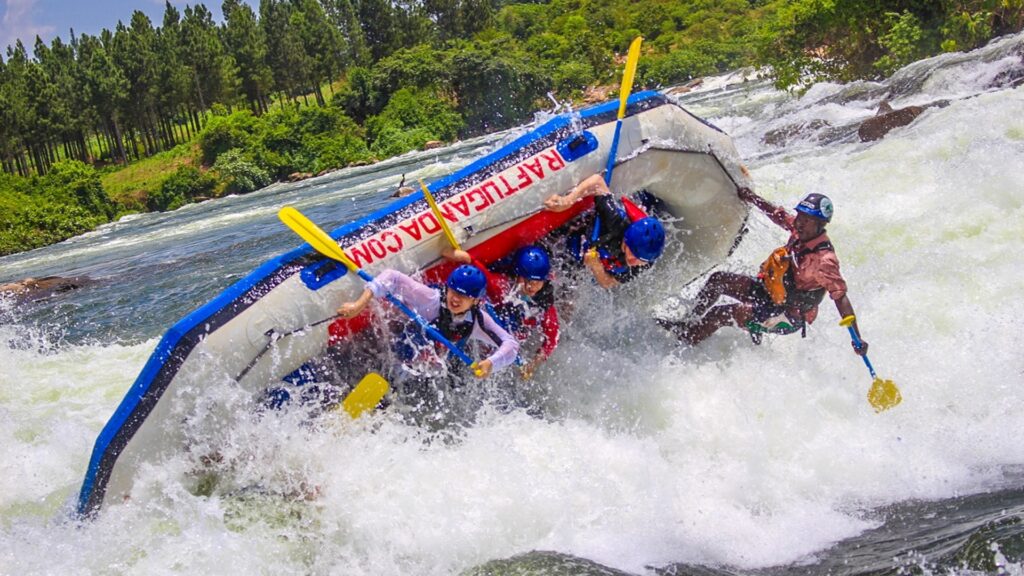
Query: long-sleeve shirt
426	302
815	269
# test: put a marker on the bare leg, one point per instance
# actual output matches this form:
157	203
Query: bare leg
717	317
721	284
702	323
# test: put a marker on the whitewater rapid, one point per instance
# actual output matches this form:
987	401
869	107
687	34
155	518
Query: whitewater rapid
726	455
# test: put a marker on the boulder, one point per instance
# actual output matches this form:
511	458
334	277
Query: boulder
34	289
782	136
432	144
683	89
296	176
885	120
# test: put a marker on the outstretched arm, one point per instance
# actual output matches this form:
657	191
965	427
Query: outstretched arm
776	213
592	186
352	309
421	299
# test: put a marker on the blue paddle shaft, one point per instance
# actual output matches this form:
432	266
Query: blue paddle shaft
421	322
612	153
607	176
859	345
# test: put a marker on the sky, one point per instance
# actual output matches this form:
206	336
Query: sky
25	19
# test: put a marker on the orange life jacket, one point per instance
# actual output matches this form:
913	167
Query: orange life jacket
778	274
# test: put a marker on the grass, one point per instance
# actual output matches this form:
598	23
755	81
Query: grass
128	186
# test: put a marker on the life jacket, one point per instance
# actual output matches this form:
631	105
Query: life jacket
458	332
609	246
411	339
778	274
517	308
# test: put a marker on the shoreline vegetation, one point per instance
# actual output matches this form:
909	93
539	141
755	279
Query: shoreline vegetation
149	117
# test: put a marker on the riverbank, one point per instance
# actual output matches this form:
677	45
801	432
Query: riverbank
340	97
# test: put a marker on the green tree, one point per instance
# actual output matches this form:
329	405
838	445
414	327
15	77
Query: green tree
246	42
411	118
380	29
324	46
107	88
213	71
495	85
342	15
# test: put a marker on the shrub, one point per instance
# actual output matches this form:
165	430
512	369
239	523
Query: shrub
308	140
222	133
675	67
411	119
902	42
180	188
77	183
239	173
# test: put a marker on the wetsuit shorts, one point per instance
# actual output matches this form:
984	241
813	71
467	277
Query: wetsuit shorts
769	317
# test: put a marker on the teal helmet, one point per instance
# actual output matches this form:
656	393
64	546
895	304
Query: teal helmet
816	206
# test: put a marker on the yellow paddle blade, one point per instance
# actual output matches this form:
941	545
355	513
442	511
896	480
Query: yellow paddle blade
884	395
317	238
628	74
440	217
366	395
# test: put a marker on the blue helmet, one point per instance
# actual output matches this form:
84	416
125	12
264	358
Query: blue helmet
533	263
467	280
816	206
646	238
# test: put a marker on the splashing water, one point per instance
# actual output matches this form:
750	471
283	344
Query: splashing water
648	455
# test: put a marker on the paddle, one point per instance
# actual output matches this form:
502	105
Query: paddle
440	217
632	57
455	245
324	244
366	395
883	393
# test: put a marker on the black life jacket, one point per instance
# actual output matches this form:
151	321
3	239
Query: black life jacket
609	243
458	332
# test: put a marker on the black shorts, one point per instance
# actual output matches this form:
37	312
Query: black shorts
768	316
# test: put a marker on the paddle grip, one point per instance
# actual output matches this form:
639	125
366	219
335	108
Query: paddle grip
612	153
857	343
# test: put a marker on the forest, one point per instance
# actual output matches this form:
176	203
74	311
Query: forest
152	115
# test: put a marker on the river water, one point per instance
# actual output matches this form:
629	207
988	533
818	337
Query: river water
646	458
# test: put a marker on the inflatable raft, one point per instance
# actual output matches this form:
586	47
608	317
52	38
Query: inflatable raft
268	324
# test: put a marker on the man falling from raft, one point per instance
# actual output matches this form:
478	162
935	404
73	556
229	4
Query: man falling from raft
784	296
628	241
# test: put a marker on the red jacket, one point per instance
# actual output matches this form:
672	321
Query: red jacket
499	288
